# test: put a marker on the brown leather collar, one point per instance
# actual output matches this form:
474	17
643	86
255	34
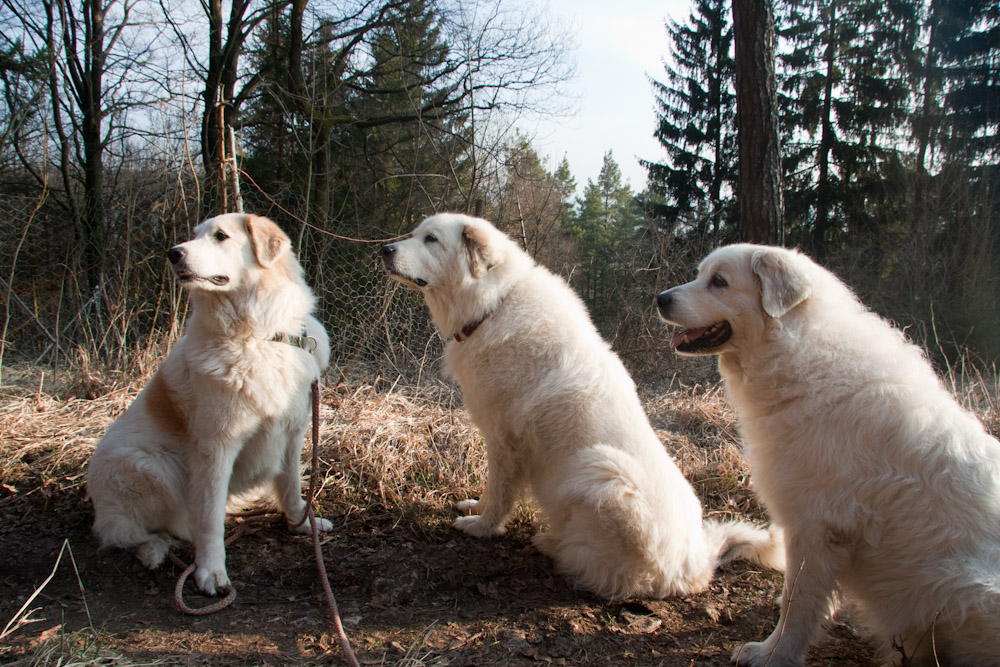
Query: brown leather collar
469	329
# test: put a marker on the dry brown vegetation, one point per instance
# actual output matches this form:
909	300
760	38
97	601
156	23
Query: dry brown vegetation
413	591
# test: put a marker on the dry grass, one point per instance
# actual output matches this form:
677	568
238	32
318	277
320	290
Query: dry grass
978	390
57	648
418	453
47	434
384	449
698	428
397	450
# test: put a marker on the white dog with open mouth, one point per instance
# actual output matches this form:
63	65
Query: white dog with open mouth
227	411
887	490
560	415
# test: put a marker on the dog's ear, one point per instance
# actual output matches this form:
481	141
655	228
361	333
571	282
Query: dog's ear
783	283
483	253
269	242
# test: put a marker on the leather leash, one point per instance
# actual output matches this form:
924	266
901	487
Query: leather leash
331	601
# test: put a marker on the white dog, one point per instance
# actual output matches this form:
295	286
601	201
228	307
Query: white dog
560	414
887	490
227	411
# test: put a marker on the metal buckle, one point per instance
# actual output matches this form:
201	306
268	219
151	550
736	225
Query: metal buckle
308	343
304	342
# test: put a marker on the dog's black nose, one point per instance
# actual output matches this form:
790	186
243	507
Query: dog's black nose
388	250
663	302
175	254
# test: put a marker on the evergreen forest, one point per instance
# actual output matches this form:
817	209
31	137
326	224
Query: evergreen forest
123	123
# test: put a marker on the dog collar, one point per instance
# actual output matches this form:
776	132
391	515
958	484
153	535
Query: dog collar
305	341
469	329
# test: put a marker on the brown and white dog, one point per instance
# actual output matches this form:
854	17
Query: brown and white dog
227	411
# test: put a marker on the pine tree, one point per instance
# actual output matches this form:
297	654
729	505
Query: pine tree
696	125
408	58
607	218
955	202
845	93
346	129
535	205
960	73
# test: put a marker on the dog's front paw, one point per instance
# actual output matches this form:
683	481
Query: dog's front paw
305	528
758	654
467	506
475	526
211	579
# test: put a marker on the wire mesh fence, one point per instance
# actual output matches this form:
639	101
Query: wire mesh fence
51	316
380	332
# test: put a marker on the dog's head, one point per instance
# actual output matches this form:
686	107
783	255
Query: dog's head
227	250
445	251
739	291
462	265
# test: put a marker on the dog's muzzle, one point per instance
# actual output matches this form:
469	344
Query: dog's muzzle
389	255
389	262
176	255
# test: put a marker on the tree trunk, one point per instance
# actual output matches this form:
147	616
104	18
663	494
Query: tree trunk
924	124
87	82
822	223
314	110
218	97
95	250
211	127
55	97
757	122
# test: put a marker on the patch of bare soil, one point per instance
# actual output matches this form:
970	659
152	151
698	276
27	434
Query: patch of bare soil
412	590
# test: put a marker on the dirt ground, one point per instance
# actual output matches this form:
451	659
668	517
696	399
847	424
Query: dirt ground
412	590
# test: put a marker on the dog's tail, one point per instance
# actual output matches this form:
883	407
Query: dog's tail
739	540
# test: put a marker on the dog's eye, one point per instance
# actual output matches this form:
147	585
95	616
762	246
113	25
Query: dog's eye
220	236
718	281
430	238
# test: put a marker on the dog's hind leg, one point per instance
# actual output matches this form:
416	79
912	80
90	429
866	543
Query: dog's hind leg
591	564
605	536
122	530
136	503
152	552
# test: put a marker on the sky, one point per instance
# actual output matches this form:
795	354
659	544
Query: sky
618	45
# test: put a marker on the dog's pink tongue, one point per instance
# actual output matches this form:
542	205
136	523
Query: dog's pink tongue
681	336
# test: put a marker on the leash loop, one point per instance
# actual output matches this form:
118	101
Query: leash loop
202	611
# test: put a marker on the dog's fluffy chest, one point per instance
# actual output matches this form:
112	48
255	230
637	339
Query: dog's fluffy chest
488	376
256	379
